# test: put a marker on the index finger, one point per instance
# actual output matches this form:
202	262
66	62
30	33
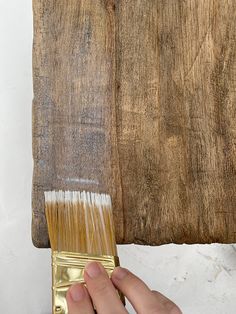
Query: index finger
102	291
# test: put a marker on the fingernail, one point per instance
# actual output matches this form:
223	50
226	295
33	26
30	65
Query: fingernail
119	273
93	269
77	292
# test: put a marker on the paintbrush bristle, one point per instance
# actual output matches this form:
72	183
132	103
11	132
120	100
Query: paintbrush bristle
80	222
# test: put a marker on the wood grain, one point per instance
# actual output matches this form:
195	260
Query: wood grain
74	106
136	98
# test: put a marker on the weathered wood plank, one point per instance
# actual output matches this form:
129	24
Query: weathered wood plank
137	98
74	139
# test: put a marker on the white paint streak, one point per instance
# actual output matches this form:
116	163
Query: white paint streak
79	180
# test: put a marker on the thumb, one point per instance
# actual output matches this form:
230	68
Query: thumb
78	300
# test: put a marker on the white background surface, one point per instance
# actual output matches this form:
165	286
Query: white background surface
201	279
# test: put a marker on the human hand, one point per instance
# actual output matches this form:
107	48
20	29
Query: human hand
101	292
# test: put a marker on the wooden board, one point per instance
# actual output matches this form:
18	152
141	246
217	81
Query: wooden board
137	98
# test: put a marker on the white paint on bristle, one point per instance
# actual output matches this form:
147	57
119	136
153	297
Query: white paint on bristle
59	196
89	198
68	196
53	196
46	196
93	218
75	197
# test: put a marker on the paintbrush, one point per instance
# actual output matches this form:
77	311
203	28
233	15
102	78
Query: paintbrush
81	229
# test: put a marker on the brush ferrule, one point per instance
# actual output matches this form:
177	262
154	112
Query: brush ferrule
67	269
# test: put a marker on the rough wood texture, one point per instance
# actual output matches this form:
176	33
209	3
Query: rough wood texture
136	98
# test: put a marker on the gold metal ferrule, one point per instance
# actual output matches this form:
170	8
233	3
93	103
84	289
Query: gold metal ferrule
67	269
